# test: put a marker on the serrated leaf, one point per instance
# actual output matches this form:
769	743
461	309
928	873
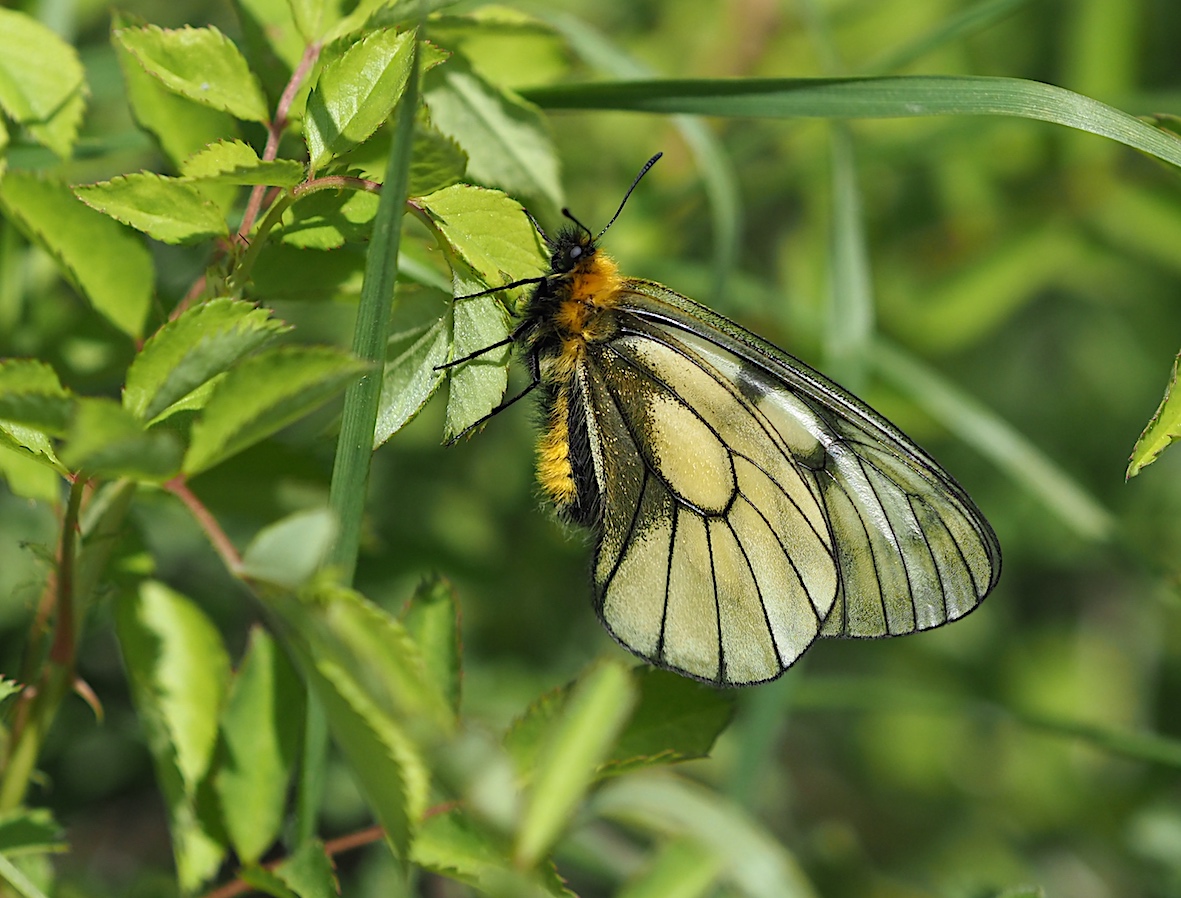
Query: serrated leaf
166	209
28	475
576	742
675	719
491	234
1164	428
356	93
107	263
32	396
262	880
42	82
264	394
191	350
410	379
289	552
328	219
181	126
234	162
371	680
431	617
106	440
34	445
489	231
310	872
438	162
452	845
261	728
505	137
201	64
178	669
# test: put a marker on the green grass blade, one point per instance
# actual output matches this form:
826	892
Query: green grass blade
889	97
849	329
350	473
717	172
996	440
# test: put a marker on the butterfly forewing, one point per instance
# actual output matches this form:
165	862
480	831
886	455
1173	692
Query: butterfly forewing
813	467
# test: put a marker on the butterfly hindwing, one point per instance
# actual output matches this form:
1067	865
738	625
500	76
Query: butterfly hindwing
714	557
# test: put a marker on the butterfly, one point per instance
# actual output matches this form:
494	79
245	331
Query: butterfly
742	504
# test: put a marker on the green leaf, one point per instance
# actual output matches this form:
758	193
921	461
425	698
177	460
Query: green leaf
411	378
1163	428
310	872
675	719
178	668
382	708
28	474
166	209
8	688
106	440
749	856
505	137
577	741
189	351
201	64
31	395
42	82
264	394
234	162
432	619
109	265
328	219
181	126
356	93
885	97
261	728
289	552
490	234
262	880
30	829
289	273
452	845
438	161
488	231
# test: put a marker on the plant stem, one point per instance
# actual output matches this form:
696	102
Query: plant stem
37	705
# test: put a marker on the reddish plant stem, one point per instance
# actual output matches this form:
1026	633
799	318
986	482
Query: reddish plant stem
275	133
221	543
332	848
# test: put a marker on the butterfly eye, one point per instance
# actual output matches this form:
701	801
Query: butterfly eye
575	252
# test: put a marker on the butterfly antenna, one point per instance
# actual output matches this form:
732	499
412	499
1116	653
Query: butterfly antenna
586	230
643	171
537	227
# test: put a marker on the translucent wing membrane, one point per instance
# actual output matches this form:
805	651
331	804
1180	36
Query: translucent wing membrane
750	505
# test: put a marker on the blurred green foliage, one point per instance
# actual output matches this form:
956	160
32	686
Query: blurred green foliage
1032	269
